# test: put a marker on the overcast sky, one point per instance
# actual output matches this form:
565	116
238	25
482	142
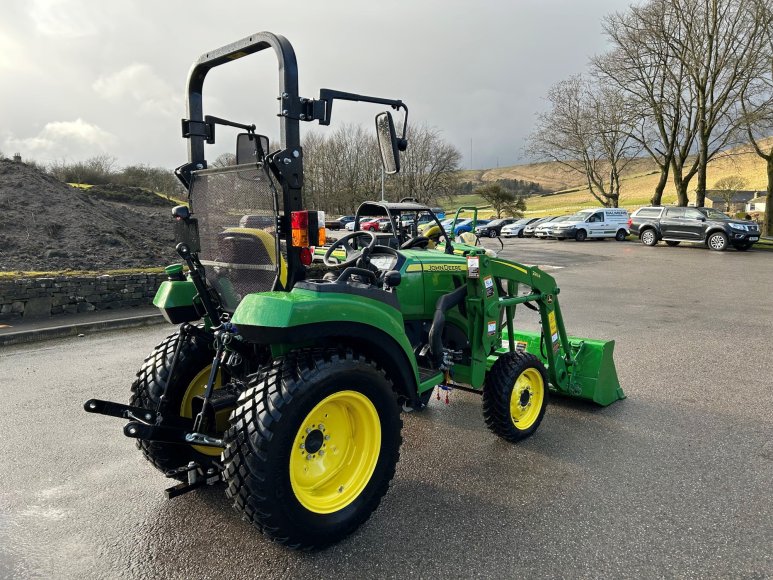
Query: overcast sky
86	77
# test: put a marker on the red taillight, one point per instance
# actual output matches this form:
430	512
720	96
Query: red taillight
630	222
299	223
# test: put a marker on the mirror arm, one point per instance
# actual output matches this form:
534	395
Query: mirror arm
327	96
206	128
219	121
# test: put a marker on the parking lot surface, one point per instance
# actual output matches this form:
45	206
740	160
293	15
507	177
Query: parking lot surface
674	481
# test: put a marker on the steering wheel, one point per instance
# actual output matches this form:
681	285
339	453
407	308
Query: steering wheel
352	255
417	242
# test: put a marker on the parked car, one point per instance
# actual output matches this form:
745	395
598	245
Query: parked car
260	222
528	231
370	224
594	223
494	227
703	225
445	223
516	228
465	226
384	224
339	223
545	229
367	224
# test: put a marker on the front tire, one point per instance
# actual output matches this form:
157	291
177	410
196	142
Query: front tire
189	380
581	235
313	446
492	234
717	241
515	396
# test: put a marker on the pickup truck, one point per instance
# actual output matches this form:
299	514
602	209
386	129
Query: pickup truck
703	225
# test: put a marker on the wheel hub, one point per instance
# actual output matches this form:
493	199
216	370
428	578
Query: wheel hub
526	398
314	441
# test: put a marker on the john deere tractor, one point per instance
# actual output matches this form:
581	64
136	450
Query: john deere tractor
287	378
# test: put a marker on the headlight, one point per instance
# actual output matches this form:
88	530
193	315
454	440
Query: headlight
742	227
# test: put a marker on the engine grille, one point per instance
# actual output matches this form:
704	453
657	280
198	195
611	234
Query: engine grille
236	213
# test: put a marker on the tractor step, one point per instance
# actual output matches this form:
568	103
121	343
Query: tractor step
429	378
219	400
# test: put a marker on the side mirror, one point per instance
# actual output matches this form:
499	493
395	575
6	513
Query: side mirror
251	148
387	143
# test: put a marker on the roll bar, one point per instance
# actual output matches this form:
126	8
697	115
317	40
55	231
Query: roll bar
287	163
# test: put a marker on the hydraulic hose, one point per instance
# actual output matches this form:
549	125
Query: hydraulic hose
444	304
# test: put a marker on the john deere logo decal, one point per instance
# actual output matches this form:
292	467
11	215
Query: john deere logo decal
445	267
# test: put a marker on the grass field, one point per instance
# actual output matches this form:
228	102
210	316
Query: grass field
638	183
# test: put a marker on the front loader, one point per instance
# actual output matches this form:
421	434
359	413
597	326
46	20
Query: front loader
286	378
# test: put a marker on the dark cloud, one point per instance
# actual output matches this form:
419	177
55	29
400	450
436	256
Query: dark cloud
111	74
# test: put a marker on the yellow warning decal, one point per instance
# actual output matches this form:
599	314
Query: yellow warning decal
552	322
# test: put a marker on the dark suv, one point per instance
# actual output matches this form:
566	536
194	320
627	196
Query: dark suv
692	224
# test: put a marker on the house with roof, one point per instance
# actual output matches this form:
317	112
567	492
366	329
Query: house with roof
756	205
730	201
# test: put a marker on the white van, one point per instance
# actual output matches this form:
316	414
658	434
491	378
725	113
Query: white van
593	223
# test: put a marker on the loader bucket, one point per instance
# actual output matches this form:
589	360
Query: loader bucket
592	376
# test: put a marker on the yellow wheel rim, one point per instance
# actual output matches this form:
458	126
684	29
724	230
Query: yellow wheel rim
526	398
335	452
196	388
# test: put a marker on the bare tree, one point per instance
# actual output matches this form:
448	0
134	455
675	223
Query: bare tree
757	103
588	131
343	169
728	187
429	168
642	65
224	160
718	47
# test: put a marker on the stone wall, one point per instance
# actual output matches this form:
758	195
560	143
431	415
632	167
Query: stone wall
45	297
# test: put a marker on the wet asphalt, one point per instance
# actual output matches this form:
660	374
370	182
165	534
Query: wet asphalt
674	481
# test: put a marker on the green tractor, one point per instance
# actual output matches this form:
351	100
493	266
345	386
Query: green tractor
287	377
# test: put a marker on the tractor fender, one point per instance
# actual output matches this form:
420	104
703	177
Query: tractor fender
303	318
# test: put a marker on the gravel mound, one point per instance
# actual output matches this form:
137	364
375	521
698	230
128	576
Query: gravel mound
48	225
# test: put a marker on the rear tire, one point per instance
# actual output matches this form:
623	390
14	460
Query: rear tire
649	237
672	243
581	235
190	377
515	396
312	446
621	235
717	241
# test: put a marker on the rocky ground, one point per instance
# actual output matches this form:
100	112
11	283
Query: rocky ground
47	225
